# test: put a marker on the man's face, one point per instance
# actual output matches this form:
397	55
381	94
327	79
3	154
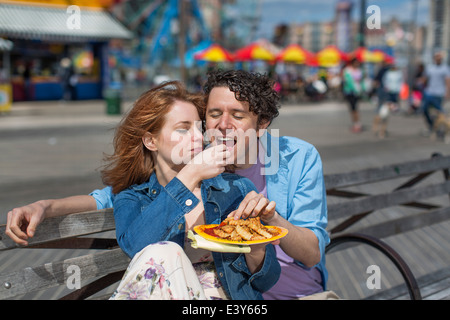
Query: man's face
231	122
438	58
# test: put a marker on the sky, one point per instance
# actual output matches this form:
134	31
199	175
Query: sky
275	12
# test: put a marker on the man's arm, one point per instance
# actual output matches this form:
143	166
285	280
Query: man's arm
23	221
255	204
308	253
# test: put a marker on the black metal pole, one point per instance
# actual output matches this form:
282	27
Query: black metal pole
362	24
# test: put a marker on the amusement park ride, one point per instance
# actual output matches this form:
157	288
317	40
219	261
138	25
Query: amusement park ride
167	29
161	26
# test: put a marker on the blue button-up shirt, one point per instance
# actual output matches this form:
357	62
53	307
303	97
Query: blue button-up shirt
294	180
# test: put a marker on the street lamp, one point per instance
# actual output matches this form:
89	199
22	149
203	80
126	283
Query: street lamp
412	49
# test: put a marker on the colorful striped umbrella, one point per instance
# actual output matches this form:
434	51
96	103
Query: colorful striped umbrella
366	55
387	58
214	53
295	54
330	56
254	51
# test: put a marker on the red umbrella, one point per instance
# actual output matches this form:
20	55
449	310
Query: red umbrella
312	61
254	51
214	53
389	59
294	53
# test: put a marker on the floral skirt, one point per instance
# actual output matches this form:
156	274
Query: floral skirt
162	271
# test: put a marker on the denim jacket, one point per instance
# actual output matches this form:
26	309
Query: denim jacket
148	213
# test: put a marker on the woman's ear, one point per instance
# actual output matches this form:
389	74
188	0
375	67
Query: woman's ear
149	142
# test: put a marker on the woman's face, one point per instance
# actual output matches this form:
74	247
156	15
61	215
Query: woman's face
180	138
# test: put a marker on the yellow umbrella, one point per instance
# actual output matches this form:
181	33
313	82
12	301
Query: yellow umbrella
330	56
294	53
214	53
253	51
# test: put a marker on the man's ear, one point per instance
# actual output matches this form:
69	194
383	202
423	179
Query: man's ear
149	141
262	127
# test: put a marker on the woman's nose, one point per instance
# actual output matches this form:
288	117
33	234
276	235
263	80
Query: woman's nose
198	135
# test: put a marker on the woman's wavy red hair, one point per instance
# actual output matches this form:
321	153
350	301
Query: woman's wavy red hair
132	163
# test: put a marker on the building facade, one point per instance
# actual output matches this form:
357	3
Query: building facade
438	32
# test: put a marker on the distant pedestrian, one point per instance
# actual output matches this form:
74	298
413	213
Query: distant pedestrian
69	79
437	86
418	89
352	88
381	97
391	83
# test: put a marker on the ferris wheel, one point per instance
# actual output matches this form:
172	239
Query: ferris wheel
162	26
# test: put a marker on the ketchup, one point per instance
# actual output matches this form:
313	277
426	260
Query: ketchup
210	231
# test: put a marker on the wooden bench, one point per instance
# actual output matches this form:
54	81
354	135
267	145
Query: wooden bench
359	205
105	266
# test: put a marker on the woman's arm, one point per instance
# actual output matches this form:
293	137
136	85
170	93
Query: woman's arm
142	221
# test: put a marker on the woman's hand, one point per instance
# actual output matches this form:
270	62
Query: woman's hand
207	164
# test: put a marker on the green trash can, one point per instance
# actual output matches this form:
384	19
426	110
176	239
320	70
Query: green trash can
113	101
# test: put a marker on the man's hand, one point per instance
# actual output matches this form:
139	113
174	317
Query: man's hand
254	205
23	221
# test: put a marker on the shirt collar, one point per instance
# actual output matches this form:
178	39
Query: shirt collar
153	184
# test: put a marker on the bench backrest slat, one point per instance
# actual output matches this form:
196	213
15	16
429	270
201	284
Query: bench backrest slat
340	180
65	227
54	274
380	201
400	225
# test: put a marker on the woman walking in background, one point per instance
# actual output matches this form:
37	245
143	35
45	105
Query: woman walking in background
352	88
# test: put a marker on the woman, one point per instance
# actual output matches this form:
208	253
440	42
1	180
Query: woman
352	82
165	185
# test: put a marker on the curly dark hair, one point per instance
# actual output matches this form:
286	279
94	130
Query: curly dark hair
254	88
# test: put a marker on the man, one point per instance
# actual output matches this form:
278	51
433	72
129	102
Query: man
437	86
286	170
242	101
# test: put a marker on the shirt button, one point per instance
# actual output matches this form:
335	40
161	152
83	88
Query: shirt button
153	191
221	274
188	202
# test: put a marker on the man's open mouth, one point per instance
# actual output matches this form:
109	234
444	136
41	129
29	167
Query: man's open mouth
228	141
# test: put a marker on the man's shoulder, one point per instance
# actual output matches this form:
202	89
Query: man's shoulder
292	144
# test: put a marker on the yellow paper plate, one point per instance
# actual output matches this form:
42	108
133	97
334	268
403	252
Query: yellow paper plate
200	230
